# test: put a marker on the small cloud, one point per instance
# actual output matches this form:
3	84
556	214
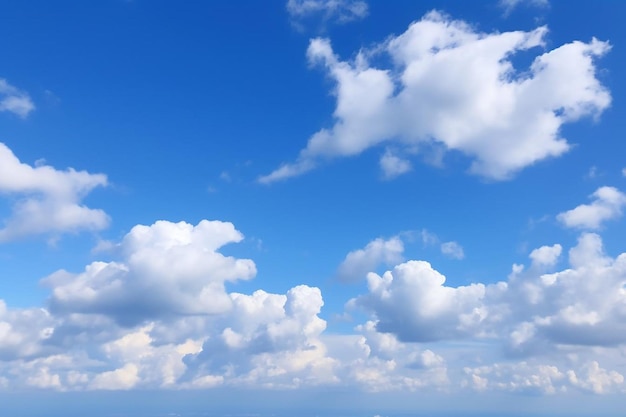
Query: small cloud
429	238
14	100
359	262
546	255
47	201
593	173
225	176
339	11
624	172
393	166
452	250
510	5
607	205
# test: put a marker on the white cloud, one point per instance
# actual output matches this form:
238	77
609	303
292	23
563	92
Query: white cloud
533	310
120	379
341	11
453	86
546	255
452	250
22	332
14	101
48	200
412	302
509	5
624	172
267	339
168	269
359	262
393	166
607	205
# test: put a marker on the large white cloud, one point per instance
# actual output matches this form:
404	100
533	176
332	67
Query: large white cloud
14	100
167	269
48	201
412	302
454	86
607	205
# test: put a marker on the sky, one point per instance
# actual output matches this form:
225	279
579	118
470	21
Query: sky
313	207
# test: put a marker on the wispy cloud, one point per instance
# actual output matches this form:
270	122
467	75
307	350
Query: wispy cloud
339	11
14	100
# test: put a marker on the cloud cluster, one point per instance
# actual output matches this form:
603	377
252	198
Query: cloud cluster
454	87
47	201
14	101
160	316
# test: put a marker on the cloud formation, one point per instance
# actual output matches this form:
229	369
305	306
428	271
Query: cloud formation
14	101
452	86
167	269
47	201
607	205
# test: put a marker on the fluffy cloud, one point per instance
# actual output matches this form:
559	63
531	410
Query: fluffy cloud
267	339
533	311
167	269
160	317
14	101
23	331
455	87
341	11
48	200
358	263
412	302
607	205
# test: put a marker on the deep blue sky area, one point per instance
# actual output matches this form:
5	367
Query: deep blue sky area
314	207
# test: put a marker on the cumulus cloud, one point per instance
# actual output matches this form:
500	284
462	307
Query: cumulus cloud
340	11
457	88
167	269
533	311
267	339
359	262
546	255
607	205
412	302
14	100
48	201
23	331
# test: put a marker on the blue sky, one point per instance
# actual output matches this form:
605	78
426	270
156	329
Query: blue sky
324	200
